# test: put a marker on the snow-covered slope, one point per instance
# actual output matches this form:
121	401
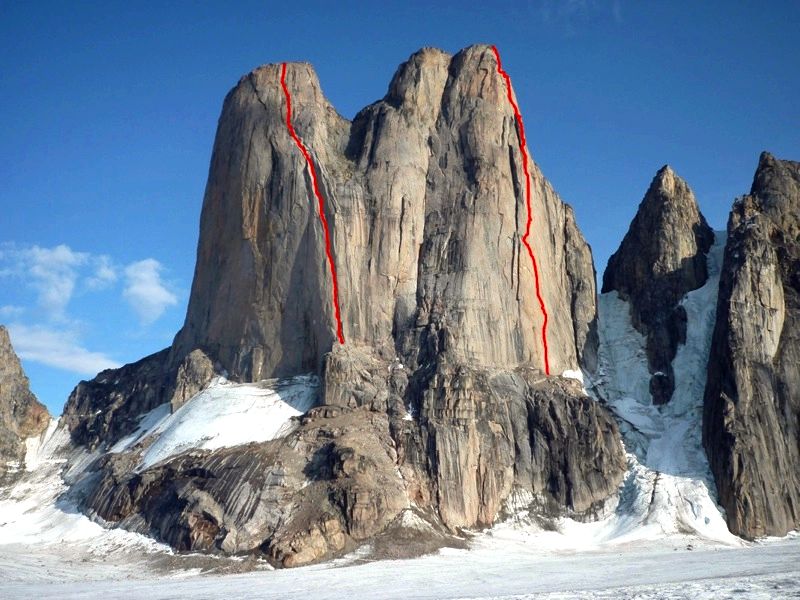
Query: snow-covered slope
37	511
33	511
669	489
47	550
225	414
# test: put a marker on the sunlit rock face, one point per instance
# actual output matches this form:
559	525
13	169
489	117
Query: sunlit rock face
424	194
752	402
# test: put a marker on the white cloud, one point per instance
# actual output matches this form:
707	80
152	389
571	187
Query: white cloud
55	275
105	273
59	349
51	272
145	291
39	286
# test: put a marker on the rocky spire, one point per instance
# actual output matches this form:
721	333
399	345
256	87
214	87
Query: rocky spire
21	414
661	258
751	423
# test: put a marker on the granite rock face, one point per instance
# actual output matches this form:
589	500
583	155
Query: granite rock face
21	415
424	193
751	427
660	259
100	412
438	396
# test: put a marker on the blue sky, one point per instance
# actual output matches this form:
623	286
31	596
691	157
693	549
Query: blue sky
109	112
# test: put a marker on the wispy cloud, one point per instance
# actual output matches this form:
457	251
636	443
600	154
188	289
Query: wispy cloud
56	274
43	282
51	272
104	275
146	292
59	349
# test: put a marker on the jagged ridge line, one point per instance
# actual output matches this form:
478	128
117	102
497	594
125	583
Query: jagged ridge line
320	202
523	151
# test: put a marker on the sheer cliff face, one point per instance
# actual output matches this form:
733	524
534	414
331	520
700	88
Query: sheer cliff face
424	194
21	414
437	397
752	405
661	258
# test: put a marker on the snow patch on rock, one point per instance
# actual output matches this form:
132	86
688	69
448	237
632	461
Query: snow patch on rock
576	374
223	415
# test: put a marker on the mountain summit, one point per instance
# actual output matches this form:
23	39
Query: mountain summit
660	259
387	321
424	197
22	416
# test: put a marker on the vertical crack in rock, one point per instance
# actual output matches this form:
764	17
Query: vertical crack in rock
524	156
312	172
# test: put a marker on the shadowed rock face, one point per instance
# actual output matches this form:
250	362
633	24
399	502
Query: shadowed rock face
424	194
661	258
21	414
751	427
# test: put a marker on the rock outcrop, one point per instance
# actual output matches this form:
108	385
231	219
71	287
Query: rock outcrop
21	415
297	499
100	412
751	426
438	396
660	259
347	472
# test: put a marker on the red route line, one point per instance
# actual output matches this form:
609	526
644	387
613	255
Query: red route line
524	152
320	201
